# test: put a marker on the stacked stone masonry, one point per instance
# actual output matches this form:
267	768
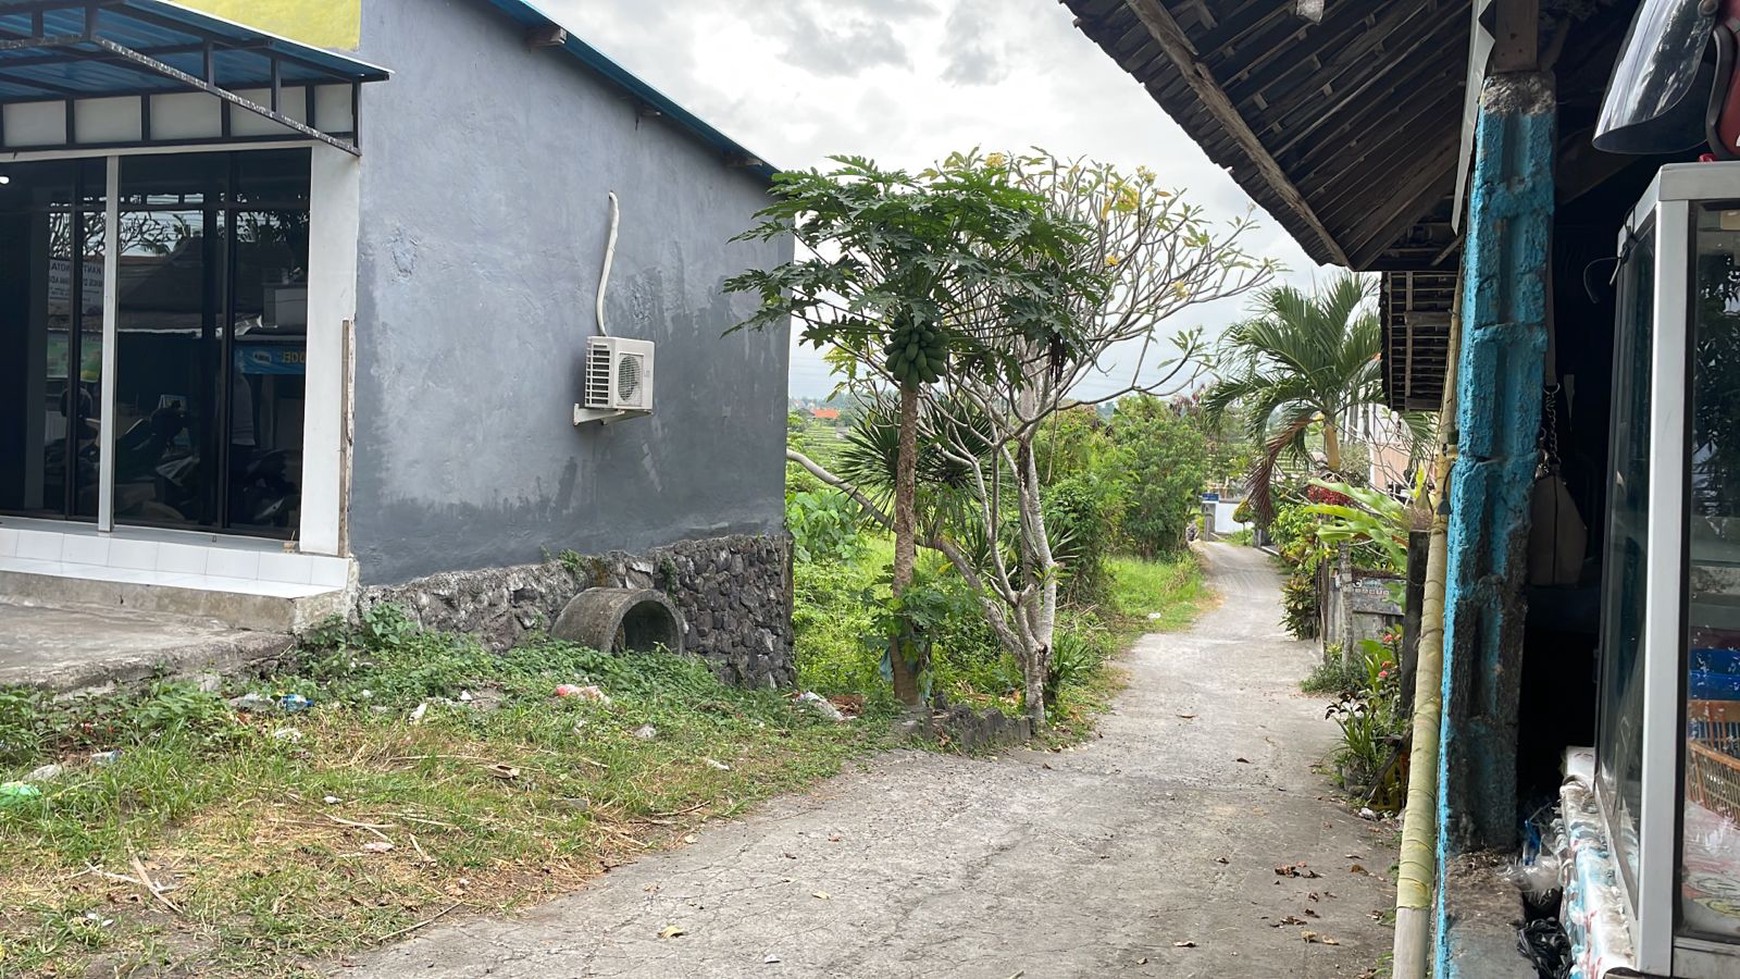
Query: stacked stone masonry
734	592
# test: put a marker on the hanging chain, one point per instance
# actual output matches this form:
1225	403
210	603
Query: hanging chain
1549	436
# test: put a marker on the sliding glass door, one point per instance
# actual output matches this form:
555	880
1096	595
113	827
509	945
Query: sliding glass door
51	337
210	339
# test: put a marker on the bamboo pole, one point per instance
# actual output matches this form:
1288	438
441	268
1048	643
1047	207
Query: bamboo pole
1417	864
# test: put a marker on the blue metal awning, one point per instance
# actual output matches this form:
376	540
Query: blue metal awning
65	50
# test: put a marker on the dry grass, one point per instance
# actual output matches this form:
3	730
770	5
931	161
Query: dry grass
220	849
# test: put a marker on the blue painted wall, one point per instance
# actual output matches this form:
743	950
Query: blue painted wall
1498	389
484	217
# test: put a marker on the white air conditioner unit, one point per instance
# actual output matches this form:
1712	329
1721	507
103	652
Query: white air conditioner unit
619	380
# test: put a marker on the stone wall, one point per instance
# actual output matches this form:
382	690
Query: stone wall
734	592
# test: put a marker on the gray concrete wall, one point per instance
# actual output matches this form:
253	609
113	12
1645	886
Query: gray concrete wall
484	218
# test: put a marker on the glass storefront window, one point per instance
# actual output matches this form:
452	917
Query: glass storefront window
1619	752
212	340
1710	816
51	337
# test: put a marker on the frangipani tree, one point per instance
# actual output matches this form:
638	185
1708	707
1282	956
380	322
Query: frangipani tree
1161	257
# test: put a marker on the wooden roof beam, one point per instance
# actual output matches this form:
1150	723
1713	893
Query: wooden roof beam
1414	197
1171	39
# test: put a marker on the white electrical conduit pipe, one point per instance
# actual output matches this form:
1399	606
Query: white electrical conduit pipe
609	257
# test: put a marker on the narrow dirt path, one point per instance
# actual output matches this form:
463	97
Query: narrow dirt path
1099	861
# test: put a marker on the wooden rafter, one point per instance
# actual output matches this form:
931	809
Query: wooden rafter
1172	41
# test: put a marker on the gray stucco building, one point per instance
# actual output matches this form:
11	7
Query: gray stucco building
337	353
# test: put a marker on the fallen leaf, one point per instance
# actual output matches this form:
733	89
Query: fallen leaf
1329	941
1142	961
770	960
1309	913
503	771
1291	919
691	838
1183	944
1221	860
1242	761
671	931
1353	856
1313	896
833	837
1296	870
377	846
1308	936
1188	717
1356	869
821	895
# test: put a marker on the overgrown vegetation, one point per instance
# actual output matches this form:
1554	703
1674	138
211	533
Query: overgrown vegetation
429	777
1368	710
840	650
963	306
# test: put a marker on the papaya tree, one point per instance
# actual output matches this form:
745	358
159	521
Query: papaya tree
889	265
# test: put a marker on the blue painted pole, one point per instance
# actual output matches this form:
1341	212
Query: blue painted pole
1505	256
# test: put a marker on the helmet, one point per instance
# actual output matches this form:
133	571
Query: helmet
1674	85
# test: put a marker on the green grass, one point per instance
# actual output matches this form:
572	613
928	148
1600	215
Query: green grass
833	619
1159	596
1334	674
271	879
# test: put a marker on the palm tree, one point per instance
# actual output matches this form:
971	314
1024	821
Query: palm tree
1303	359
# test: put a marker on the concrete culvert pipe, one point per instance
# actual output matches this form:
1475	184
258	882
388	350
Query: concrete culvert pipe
618	620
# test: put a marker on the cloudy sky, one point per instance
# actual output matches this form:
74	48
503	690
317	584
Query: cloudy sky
905	82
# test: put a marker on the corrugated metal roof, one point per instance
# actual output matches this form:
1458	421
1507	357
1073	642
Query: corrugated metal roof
528	16
242	57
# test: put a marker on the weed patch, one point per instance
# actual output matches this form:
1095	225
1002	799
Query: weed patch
430	777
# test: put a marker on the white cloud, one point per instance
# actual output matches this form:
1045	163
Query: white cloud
905	82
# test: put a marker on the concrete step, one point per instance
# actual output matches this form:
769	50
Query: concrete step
88	647
238	603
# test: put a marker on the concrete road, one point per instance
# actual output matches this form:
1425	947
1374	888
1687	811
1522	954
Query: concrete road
1150	852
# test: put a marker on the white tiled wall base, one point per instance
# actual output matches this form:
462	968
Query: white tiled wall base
247	583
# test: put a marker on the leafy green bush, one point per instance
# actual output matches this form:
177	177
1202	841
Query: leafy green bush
1164	457
1080	647
1333	673
832	613
1081	513
824	525
1294	530
1368	712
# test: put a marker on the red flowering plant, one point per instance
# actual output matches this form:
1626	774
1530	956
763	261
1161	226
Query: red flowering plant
1325	494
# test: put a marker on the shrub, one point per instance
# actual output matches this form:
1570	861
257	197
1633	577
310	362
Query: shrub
1164	457
1368	713
1294	530
1081	513
824	525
